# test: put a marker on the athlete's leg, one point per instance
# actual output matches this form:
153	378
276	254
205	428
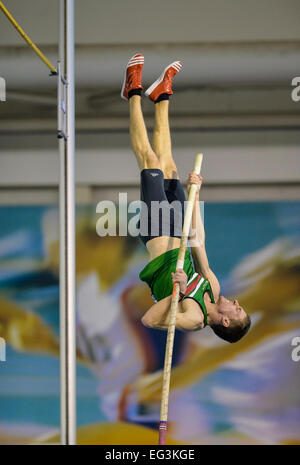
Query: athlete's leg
144	153
131	90
159	93
161	140
163	148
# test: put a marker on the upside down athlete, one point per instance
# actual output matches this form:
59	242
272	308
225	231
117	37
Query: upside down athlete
200	301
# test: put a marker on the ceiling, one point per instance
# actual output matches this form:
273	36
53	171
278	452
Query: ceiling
239	57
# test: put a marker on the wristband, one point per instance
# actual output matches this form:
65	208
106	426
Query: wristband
181	296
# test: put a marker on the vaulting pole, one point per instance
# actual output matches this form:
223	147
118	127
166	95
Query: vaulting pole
173	311
66	134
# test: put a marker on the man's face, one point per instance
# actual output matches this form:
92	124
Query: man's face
231	309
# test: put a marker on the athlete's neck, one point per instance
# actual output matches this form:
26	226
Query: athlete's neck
212	309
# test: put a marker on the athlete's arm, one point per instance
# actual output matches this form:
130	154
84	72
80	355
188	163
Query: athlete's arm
188	316
197	241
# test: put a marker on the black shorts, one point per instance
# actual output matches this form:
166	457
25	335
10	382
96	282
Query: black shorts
162	210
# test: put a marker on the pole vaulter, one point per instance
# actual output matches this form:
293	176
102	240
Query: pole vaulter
185	290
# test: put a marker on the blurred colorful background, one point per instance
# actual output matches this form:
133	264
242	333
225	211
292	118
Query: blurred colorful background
244	393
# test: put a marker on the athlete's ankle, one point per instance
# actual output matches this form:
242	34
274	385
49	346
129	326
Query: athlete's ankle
163	97
133	92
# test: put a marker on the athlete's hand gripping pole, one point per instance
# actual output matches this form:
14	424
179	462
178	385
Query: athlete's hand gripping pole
174	306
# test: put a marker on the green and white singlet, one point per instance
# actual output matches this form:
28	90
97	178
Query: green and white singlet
157	274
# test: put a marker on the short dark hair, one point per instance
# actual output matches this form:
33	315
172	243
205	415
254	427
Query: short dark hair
235	331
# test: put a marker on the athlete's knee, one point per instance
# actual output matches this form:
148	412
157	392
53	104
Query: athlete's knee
170	170
150	160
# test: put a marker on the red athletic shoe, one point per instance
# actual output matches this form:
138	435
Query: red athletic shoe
133	75
163	85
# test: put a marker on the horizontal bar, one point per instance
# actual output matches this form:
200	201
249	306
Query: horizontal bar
27	39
